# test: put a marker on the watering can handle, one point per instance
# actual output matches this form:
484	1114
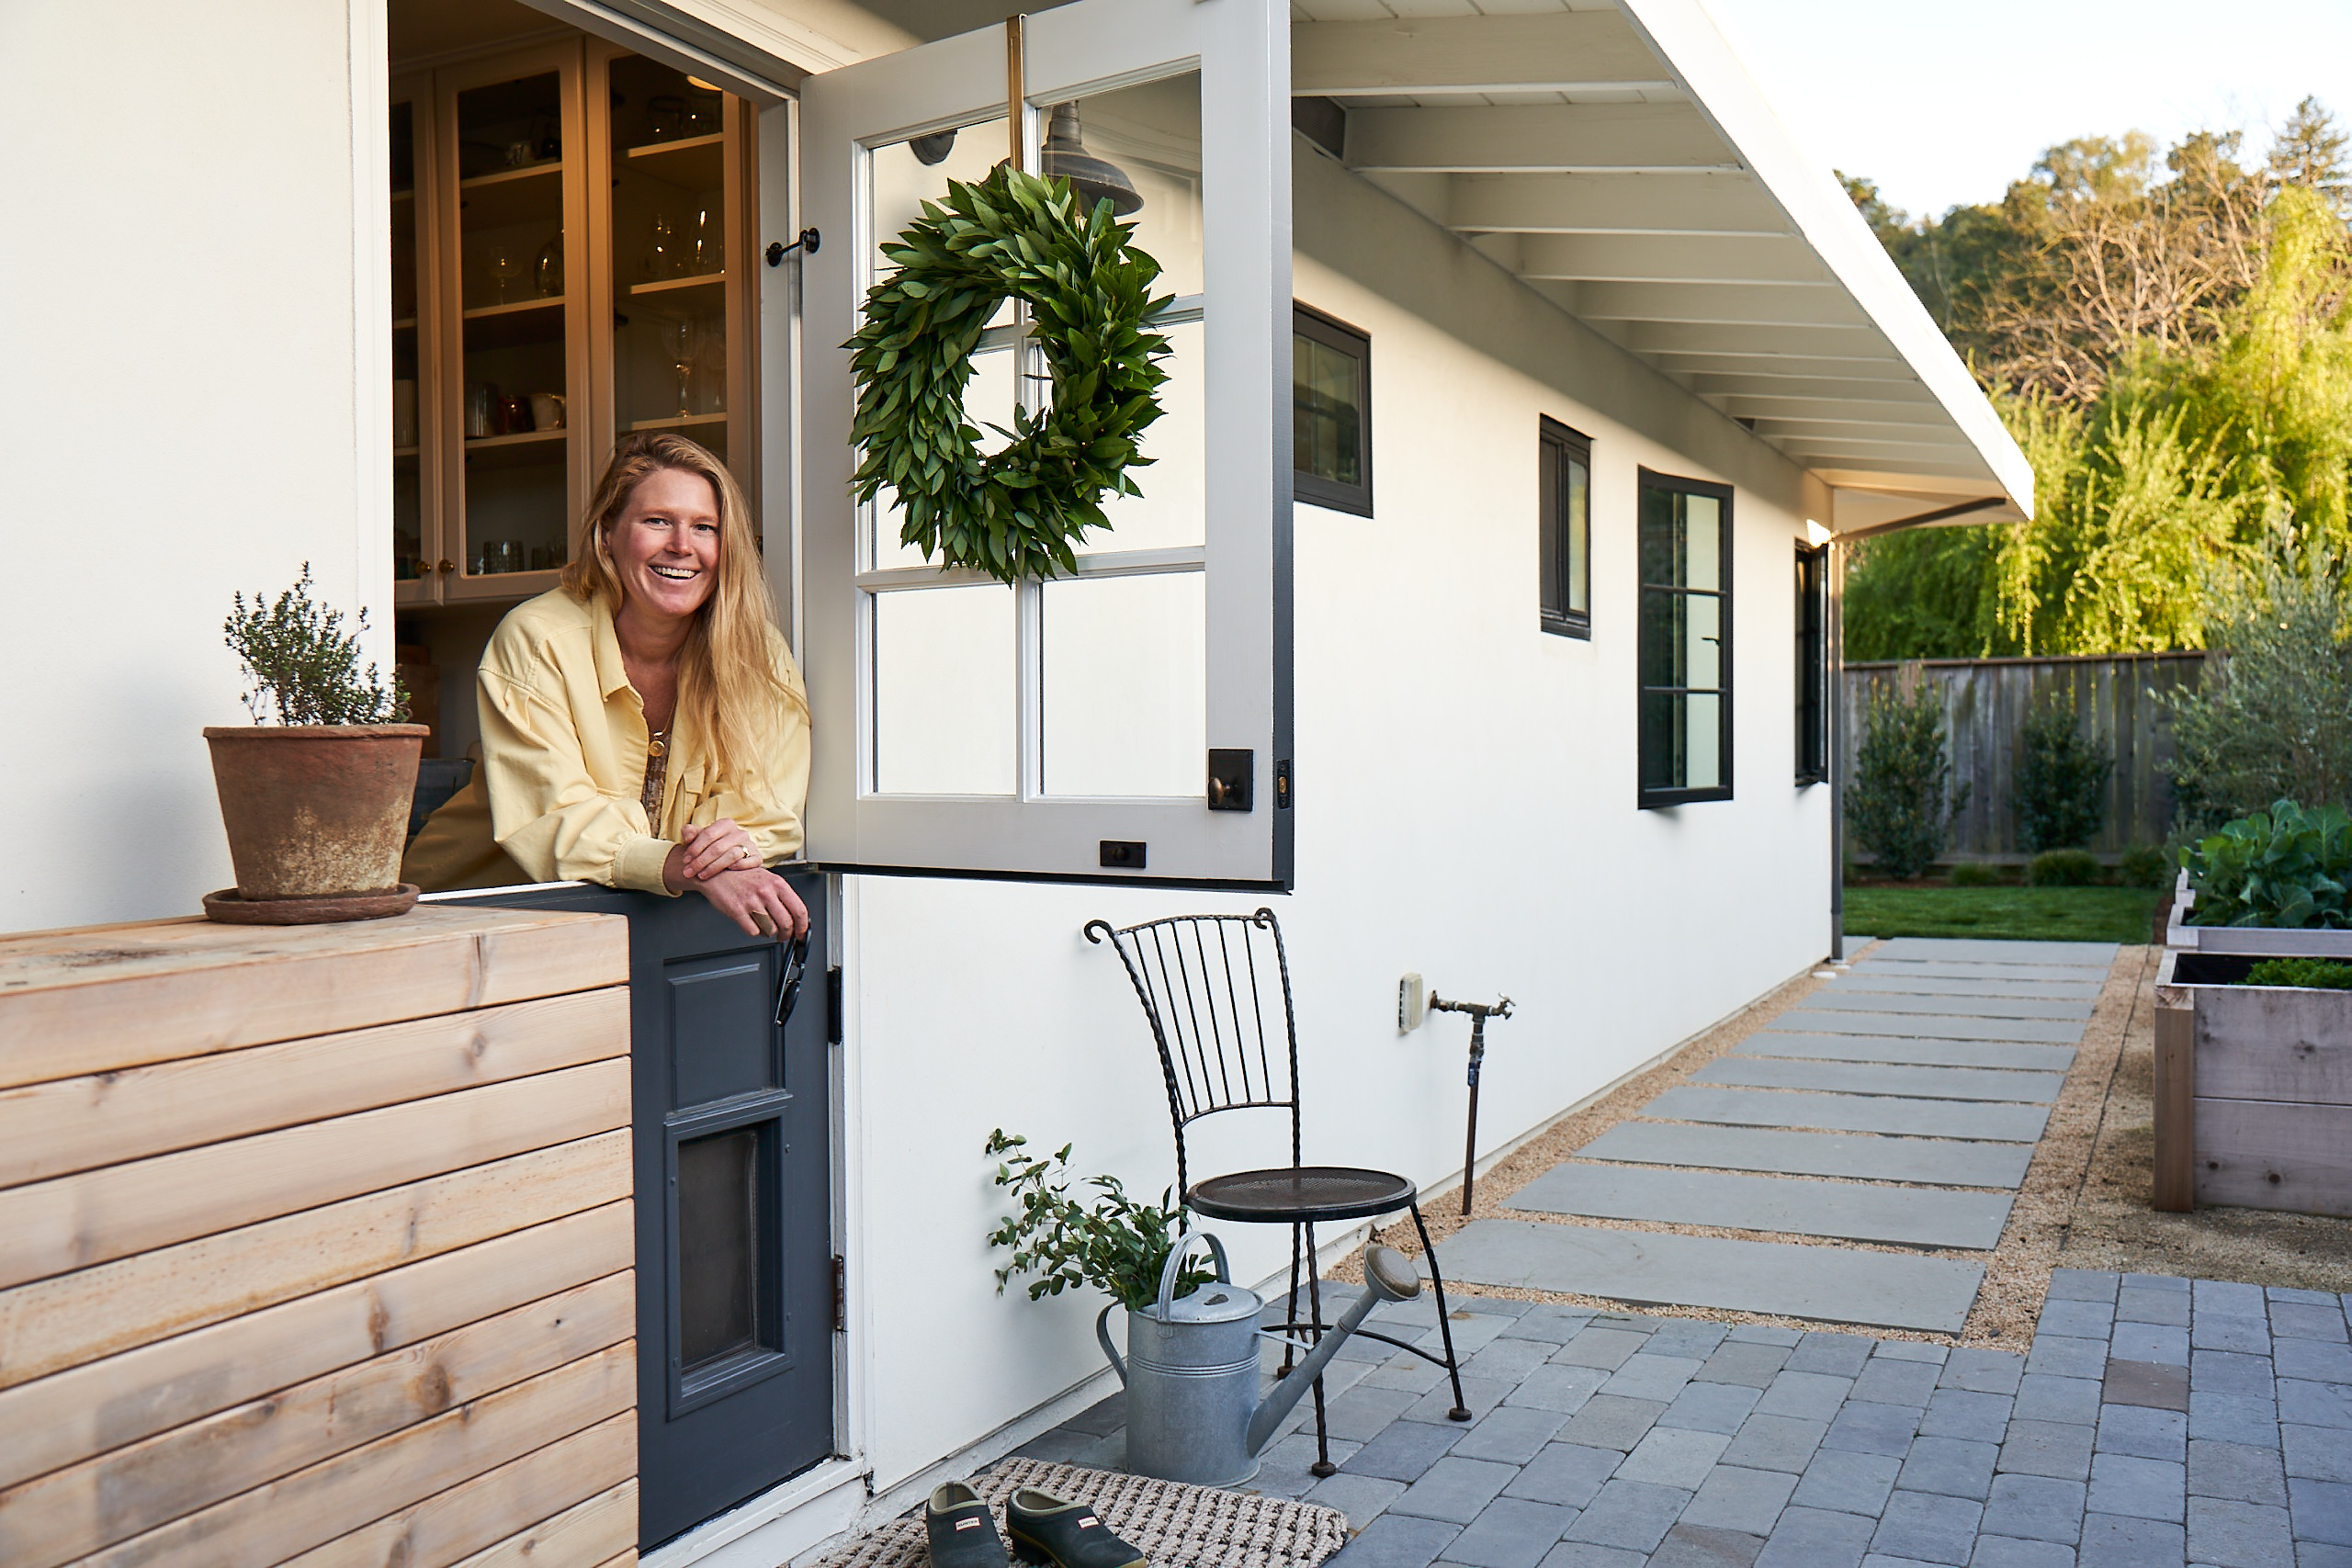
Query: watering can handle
1102	1337
1176	1263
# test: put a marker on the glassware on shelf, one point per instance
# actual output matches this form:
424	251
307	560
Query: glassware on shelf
678	337
702	115
505	265
501	556
665	116
546	273
660	258
708	248
481	410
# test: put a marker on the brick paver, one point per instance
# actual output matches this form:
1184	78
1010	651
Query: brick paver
1619	1440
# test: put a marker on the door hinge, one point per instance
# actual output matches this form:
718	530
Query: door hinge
841	1294
833	1005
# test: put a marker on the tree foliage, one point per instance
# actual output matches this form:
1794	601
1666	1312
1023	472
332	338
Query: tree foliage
2170	342
1897	807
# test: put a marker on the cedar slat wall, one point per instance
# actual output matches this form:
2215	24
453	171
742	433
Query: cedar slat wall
316	1244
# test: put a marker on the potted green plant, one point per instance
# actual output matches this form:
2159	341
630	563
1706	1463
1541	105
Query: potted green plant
1119	1245
315	792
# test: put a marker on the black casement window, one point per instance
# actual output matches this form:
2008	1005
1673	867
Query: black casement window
1331	420
1564	487
1685	532
1812	664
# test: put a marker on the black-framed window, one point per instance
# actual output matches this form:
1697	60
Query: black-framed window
1685	531
1812	664
1330	379
1564	487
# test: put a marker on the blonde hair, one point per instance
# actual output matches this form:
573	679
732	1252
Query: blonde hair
729	687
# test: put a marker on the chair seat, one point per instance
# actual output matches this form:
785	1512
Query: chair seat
1288	1194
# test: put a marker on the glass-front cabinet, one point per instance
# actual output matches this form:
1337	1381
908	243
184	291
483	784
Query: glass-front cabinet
568	265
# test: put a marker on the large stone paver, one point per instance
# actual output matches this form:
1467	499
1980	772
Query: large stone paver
1963	981
1980	1005
1964	950
1852	1113
1836	1209
2006	1053
1935	1161
1825	1284
1938	1026
1931	969
1885	1078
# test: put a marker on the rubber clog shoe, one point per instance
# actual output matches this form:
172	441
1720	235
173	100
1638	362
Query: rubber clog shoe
1057	1534
962	1532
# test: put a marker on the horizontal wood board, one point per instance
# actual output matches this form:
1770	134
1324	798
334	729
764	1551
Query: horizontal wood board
2258	1154
317	1243
2274	1043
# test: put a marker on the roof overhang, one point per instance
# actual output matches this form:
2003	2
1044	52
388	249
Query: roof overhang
1620	161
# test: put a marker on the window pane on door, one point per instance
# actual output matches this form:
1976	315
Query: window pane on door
719	1231
943	690
987	407
1150	134
1126	685
1172	512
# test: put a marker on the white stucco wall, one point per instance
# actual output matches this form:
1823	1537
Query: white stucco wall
1466	789
176	325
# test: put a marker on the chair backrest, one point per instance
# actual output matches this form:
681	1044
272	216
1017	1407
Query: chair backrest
1216	989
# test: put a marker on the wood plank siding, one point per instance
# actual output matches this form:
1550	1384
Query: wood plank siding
316	1244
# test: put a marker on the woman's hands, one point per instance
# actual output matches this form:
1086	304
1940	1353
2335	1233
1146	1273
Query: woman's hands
713	861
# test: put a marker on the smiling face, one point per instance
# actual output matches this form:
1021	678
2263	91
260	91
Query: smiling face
664	545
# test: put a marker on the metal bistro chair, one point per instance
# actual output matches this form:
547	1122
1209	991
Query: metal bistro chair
1201	980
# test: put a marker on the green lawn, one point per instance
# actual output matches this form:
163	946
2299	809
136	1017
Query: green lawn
2045	914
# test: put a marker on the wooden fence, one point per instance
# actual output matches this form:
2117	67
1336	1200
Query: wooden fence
1986	703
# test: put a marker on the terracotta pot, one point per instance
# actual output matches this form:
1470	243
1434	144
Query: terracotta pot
315	810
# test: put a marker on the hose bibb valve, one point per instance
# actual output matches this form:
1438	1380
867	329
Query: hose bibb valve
1479	1012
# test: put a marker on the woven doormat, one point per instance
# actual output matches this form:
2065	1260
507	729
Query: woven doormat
1174	1525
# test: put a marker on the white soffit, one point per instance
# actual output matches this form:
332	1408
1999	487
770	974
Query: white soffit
1619	159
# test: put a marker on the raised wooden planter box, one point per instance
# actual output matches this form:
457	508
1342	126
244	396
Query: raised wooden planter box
2262	941
2254	1088
316	1243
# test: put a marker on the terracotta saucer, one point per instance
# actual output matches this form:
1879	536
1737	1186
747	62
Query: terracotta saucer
229	909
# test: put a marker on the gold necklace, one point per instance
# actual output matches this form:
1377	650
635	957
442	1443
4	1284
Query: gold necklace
658	744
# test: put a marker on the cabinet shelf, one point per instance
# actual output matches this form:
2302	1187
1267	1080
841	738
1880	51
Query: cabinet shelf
509	326
691	163
524	449
676	421
510	177
676	285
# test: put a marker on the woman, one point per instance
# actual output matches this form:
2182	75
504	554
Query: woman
643	724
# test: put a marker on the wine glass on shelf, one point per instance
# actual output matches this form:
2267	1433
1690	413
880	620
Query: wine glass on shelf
507	266
678	336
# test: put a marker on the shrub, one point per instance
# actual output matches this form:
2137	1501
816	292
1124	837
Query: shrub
2146	866
2274	719
2286	867
2060	796
304	666
1975	873
2317	974
1119	1246
2061	868
1896	807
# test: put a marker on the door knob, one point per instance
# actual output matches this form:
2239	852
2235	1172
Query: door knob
445	566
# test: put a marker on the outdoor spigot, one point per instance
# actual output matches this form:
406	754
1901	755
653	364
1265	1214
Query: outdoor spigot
1479	1012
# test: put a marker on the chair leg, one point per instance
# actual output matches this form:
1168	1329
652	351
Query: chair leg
1461	1412
1322	1465
1289	1302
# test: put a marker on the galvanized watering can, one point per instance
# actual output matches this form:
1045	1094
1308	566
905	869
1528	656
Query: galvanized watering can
1191	1374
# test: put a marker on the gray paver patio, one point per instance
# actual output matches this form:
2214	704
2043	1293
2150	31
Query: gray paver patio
1912	979
1980	1004
1852	1113
1885	1079
2088	973
1859	1477
1769	1204
2039	954
1912	1052
1942	1026
1815	1154
1828	1284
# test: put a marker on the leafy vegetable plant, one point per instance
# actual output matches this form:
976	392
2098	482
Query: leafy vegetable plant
1119	1245
303	665
2287	867
2314	974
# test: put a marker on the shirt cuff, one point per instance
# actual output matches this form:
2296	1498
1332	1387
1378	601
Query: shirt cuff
639	864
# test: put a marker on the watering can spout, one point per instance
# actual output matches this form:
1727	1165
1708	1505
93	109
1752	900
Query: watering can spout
1388	1276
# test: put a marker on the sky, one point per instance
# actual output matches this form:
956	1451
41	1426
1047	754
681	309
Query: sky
1944	104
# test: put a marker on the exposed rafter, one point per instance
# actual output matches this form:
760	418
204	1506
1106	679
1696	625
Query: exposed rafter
1563	51
1610	203
1649	258
1733	304
1551	138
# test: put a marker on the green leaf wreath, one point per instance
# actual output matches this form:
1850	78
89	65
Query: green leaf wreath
1016	513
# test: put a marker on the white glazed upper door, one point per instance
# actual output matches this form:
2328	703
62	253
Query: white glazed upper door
1131	720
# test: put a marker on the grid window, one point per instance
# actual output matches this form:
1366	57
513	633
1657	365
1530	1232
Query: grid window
1685	640
1812	664
1566	490
1330	412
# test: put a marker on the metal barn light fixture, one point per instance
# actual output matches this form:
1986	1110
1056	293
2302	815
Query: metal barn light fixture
1065	156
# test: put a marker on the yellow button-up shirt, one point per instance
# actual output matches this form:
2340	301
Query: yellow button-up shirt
555	795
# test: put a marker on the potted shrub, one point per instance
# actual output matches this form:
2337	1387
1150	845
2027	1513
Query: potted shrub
315	793
1119	1245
